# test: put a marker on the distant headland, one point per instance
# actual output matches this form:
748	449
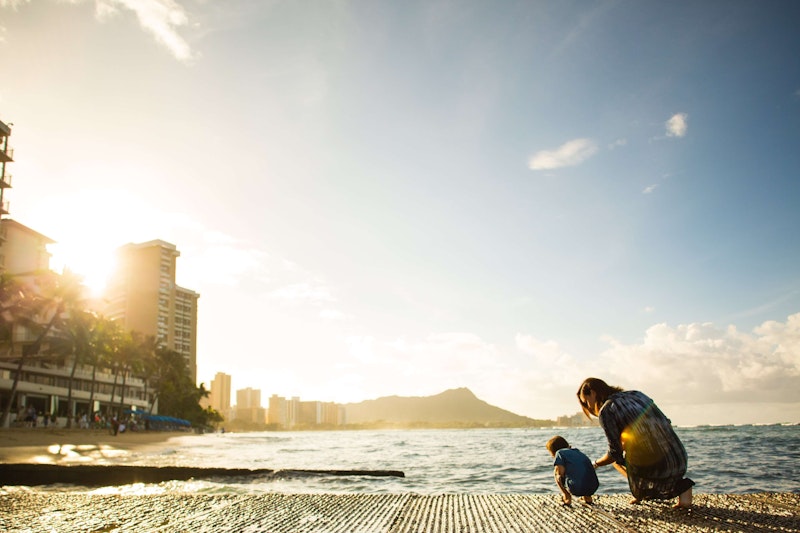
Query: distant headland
451	409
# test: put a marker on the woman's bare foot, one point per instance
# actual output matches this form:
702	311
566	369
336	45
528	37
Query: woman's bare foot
685	499
587	500
635	501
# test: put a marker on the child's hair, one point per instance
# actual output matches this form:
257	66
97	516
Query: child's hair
557	443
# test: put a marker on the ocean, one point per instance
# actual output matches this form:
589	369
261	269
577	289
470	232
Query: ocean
722	460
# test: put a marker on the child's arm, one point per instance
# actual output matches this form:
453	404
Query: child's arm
559	472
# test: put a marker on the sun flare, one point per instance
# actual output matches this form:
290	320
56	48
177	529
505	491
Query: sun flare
92	264
89	227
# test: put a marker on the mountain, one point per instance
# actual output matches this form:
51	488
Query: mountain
451	408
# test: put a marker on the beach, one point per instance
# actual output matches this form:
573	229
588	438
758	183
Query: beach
61	445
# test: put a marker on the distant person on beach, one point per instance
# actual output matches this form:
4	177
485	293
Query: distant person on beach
30	417
573	471
641	442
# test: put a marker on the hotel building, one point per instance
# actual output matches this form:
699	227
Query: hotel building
248	406
6	156
143	295
219	397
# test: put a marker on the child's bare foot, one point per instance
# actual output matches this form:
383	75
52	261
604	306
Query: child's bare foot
566	501
685	500
635	501
587	500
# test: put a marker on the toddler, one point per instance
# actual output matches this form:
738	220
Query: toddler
573	471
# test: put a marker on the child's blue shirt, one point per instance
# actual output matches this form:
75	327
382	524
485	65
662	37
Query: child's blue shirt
580	477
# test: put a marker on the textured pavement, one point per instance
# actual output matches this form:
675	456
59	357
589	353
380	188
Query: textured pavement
397	513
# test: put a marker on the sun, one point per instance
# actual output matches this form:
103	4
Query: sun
93	264
88	227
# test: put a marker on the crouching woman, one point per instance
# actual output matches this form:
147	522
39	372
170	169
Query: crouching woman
641	442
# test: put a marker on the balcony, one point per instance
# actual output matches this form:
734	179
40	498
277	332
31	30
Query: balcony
5	206
5	181
6	155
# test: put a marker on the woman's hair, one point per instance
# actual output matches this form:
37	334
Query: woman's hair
602	391
557	443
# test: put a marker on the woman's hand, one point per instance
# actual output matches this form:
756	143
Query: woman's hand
603	461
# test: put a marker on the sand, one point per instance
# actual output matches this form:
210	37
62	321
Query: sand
60	445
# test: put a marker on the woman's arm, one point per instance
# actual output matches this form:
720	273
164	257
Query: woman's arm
613	425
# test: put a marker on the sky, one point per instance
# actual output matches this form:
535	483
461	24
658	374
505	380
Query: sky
379	198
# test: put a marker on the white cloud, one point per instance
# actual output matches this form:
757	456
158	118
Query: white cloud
684	368
689	370
699	363
13	4
424	366
677	125
650	188
161	18
333	314
618	143
309	292
569	154
221	264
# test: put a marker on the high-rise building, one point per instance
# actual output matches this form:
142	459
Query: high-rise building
291	413
220	394
23	251
248	398
143	295
248	406
276	414
6	156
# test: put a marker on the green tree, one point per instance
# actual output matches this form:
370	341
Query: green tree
73	345
149	369
176	393
134	356
112	357
45	304
105	333
17	309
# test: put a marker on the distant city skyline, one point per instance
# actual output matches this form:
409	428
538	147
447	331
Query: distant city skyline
390	198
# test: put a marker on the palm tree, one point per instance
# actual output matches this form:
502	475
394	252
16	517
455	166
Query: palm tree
16	309
168	369
129	360
149	363
111	358
74	343
104	333
51	295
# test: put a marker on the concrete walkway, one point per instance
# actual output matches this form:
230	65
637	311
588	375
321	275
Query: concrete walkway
396	513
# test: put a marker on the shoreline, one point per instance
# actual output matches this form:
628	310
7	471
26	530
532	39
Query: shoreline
64	446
